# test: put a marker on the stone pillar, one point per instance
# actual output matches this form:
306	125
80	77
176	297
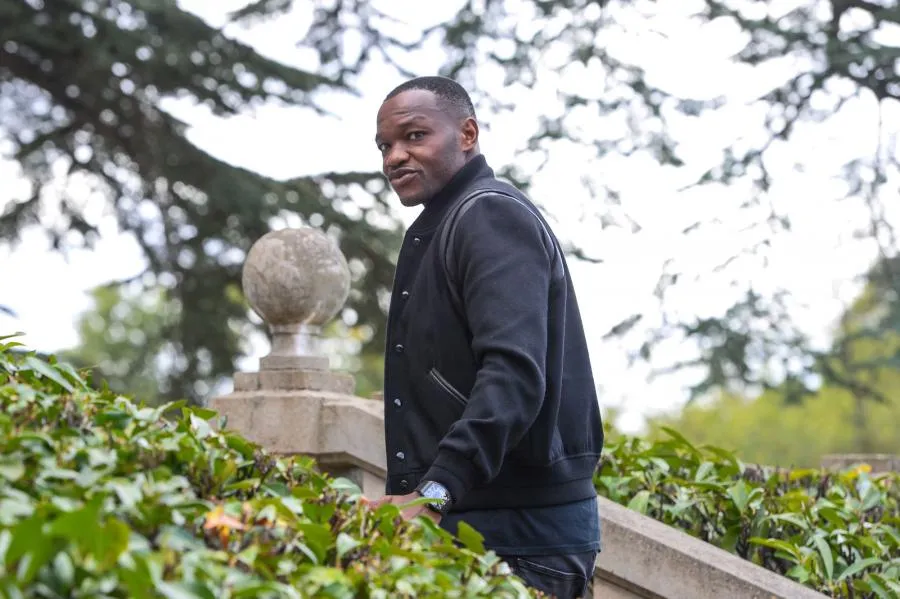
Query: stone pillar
297	280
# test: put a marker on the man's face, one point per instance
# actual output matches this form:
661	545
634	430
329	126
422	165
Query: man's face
422	144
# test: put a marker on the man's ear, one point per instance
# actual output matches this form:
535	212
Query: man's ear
469	134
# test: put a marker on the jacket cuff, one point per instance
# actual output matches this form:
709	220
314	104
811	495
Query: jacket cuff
454	471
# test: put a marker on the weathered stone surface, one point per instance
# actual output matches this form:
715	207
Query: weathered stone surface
606	590
296	277
879	462
338	430
295	380
296	280
306	380
271	362
648	559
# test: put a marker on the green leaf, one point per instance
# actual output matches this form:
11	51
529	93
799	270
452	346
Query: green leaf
265	589
857	567
49	372
825	555
800	573
730	539
118	418
705	469
138	579
318	538
64	568
802	473
640	501
78	525
470	538
345	543
30	547
113	543
13	509
201	427
790	550
740	495
12	470
682	441
177	590
793	519
72	374
879	587
872	498
346	486
723	454
240	445
202	413
243	485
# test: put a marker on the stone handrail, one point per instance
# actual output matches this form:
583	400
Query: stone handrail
297	280
645	558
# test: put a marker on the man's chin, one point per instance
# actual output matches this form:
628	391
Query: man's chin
411	199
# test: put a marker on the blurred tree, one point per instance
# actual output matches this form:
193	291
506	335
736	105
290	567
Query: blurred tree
865	355
124	342
833	53
345	345
819	57
766	430
81	86
856	415
82	89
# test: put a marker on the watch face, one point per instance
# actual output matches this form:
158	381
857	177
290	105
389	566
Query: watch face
434	491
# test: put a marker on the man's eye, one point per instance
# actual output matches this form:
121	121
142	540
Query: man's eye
382	148
416	135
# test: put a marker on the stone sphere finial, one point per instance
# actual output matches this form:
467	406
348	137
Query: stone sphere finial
296	280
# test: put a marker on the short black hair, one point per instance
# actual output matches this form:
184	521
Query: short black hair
449	92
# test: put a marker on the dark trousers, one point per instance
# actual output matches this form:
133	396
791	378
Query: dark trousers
562	576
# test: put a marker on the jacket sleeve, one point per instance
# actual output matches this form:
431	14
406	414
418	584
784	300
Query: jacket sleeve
504	267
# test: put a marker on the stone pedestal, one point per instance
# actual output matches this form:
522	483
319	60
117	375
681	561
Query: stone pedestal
311	413
297	280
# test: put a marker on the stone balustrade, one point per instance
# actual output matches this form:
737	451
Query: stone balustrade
297	280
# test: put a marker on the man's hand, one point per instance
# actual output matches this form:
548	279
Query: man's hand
409	513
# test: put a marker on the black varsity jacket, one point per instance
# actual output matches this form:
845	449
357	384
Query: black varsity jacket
493	398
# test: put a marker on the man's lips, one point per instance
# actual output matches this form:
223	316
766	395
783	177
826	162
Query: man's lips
401	178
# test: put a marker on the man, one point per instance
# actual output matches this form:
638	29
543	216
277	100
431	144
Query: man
490	404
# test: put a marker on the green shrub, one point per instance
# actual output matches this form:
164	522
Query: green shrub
100	497
837	532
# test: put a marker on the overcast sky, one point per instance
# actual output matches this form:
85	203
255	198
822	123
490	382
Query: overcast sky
816	261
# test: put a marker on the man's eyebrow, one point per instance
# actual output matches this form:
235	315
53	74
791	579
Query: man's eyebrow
412	119
405	122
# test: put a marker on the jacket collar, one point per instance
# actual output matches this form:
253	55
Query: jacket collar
475	169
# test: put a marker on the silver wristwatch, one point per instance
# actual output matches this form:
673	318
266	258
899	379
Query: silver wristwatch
438	493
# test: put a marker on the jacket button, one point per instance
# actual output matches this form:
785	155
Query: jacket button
404	294
400	456
398	348
417	241
404	485
397	402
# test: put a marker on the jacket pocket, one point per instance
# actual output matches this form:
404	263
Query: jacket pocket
448	388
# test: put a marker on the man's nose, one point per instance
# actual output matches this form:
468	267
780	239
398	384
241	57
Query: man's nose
395	156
